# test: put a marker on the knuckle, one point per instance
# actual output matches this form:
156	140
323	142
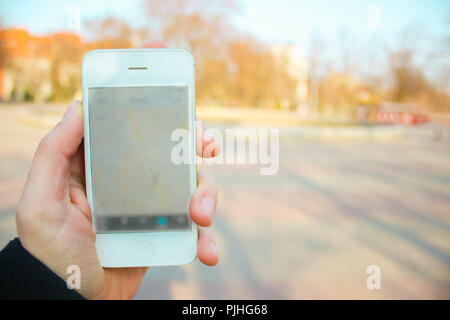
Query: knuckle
43	146
47	143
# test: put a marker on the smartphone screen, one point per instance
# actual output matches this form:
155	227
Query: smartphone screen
136	185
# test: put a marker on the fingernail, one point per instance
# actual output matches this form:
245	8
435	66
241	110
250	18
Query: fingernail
212	245
208	206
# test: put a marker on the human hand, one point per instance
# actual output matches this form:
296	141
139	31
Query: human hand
54	219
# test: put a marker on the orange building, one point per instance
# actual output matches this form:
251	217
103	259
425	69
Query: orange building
24	55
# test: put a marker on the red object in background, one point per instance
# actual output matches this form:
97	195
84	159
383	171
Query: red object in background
405	118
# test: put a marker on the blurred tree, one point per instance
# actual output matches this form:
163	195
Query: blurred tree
410	85
259	78
163	14
201	27
65	74
112	33
338	94
231	67
316	68
408	80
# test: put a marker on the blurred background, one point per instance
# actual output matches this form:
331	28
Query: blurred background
359	91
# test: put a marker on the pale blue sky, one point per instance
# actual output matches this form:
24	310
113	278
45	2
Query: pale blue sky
273	21
285	21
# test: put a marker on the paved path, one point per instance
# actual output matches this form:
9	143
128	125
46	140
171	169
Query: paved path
310	231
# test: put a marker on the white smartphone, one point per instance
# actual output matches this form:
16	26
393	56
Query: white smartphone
133	101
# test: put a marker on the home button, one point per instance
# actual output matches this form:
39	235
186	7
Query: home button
144	249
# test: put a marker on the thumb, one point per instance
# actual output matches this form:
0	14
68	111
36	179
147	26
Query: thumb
50	169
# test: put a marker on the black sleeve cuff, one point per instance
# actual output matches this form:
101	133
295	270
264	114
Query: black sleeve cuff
22	276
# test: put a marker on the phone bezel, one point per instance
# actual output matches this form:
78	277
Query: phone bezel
165	67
